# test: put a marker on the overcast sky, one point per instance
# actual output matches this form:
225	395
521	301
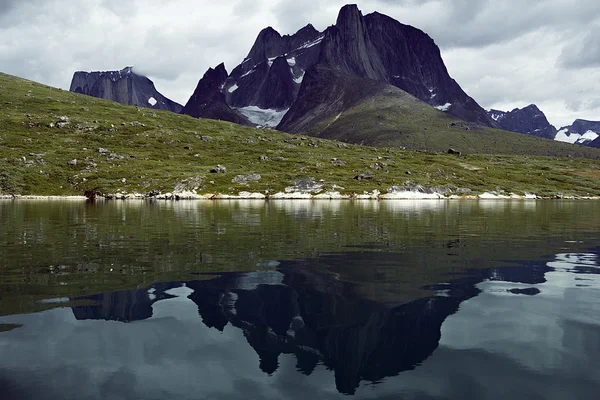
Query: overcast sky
505	54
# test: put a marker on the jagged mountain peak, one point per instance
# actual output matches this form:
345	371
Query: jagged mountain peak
218	74
347	47
308	28
373	47
529	120
267	33
349	14
531	108
208	100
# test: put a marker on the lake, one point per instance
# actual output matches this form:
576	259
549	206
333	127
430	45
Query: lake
300	299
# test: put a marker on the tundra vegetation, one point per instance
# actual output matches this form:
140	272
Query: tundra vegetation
54	142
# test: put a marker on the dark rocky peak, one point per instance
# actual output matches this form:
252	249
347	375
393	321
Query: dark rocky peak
208	100
529	120
347	47
308	32
300	39
349	17
123	86
269	43
215	77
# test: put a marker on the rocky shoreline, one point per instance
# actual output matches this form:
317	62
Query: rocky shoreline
375	195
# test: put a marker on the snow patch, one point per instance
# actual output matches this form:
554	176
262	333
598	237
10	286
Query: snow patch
300	78
564	136
57	300
588	137
291	61
233	88
152	101
495	115
313	43
574	138
248	73
445	107
263	117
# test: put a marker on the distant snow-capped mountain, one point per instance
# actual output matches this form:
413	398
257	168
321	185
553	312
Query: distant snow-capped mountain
581	132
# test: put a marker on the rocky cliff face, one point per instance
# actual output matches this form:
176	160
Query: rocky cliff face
529	120
124	86
347	47
375	48
413	63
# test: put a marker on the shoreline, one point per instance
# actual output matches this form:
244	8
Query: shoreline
376	195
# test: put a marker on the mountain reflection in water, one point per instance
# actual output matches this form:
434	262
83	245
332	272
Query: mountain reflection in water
525	331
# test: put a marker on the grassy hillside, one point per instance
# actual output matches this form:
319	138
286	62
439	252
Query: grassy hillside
395	118
54	142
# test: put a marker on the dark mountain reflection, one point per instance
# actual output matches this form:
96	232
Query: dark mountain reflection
319	319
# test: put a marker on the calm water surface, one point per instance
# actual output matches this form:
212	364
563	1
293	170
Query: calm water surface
300	299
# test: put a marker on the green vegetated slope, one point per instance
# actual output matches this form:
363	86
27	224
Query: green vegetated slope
394	118
54	142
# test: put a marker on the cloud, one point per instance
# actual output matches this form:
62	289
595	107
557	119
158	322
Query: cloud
506	53
582	51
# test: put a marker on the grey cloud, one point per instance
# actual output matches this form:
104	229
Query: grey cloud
121	8
574	104
465	23
9	5
584	53
244	8
503	53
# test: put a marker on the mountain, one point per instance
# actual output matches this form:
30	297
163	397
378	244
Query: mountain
281	79
581	132
208	101
529	120
124	86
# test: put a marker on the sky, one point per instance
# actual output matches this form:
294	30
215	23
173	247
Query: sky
504	54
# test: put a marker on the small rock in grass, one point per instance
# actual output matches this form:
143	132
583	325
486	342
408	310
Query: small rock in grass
366	176
219	169
244	179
